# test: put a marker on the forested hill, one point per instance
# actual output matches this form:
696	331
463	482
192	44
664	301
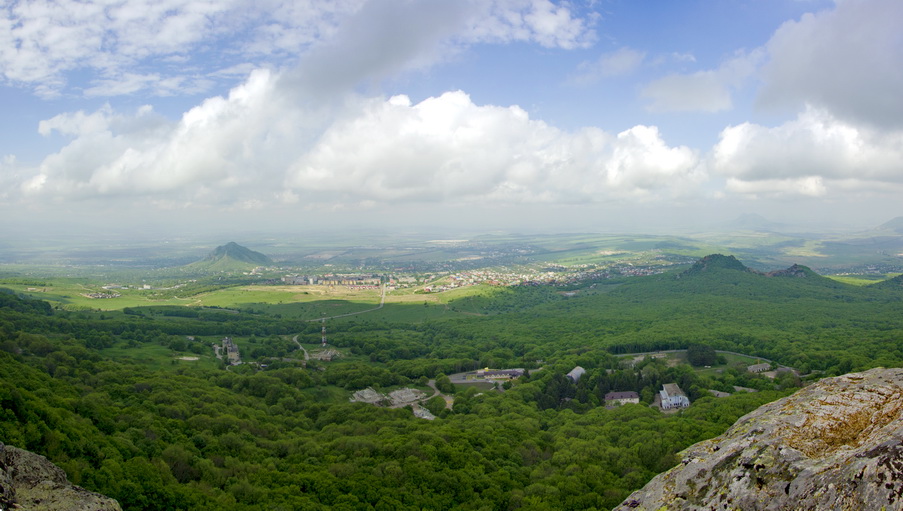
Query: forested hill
105	395
810	322
231	257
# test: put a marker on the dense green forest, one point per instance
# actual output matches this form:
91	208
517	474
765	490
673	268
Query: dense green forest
176	436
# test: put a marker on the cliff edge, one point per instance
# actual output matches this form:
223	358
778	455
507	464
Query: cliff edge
30	481
837	444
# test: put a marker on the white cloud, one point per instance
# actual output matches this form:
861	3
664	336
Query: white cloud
848	60
44	40
621	62
449	149
705	91
166	46
811	155
261	145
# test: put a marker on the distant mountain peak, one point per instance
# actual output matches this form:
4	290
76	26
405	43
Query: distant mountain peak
797	270
716	262
231	257
895	224
238	253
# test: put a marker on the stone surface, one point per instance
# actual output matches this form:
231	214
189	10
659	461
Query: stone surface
29	481
837	444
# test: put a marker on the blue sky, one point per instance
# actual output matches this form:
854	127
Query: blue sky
474	114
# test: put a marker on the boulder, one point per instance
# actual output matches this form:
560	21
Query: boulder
836	444
29	481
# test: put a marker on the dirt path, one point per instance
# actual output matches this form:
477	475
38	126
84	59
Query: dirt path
306	356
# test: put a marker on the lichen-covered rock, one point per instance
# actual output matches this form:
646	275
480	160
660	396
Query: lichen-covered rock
837	444
29	481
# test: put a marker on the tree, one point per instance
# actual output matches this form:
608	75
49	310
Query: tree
701	355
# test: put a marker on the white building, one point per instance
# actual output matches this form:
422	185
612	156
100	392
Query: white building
673	397
576	373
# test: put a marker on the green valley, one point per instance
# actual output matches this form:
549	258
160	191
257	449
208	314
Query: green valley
231	387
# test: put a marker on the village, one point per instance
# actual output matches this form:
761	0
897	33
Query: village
669	398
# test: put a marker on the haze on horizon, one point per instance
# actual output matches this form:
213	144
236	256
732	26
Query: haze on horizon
274	116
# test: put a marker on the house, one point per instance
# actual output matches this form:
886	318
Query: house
622	398
673	397
576	373
497	374
758	368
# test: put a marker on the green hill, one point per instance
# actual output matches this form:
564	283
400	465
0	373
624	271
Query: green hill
716	262
231	257
894	283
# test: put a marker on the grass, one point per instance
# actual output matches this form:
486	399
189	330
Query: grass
861	280
156	356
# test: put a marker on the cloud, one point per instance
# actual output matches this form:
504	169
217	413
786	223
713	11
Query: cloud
812	155
181	46
540	21
848	60
705	91
449	149
261	145
42	41
621	62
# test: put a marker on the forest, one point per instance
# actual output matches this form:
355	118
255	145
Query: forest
104	395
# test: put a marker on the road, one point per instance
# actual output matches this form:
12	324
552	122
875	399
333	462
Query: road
306	356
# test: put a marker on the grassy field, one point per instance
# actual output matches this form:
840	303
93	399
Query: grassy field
156	356
862	280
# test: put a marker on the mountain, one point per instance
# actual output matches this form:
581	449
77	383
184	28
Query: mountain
716	262
894	225
795	271
231	257
832	445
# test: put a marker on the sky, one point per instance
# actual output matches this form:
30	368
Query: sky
533	115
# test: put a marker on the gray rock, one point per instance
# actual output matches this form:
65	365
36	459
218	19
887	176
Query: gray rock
837	444
30	481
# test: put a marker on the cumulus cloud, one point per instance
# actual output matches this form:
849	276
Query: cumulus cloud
705	91
848	60
448	148
261	145
225	143
811	155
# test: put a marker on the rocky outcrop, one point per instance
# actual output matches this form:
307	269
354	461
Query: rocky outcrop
29	481
837	444
796	271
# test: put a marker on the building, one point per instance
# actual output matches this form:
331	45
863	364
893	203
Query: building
758	368
576	373
231	349
622	398
497	374
673	397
